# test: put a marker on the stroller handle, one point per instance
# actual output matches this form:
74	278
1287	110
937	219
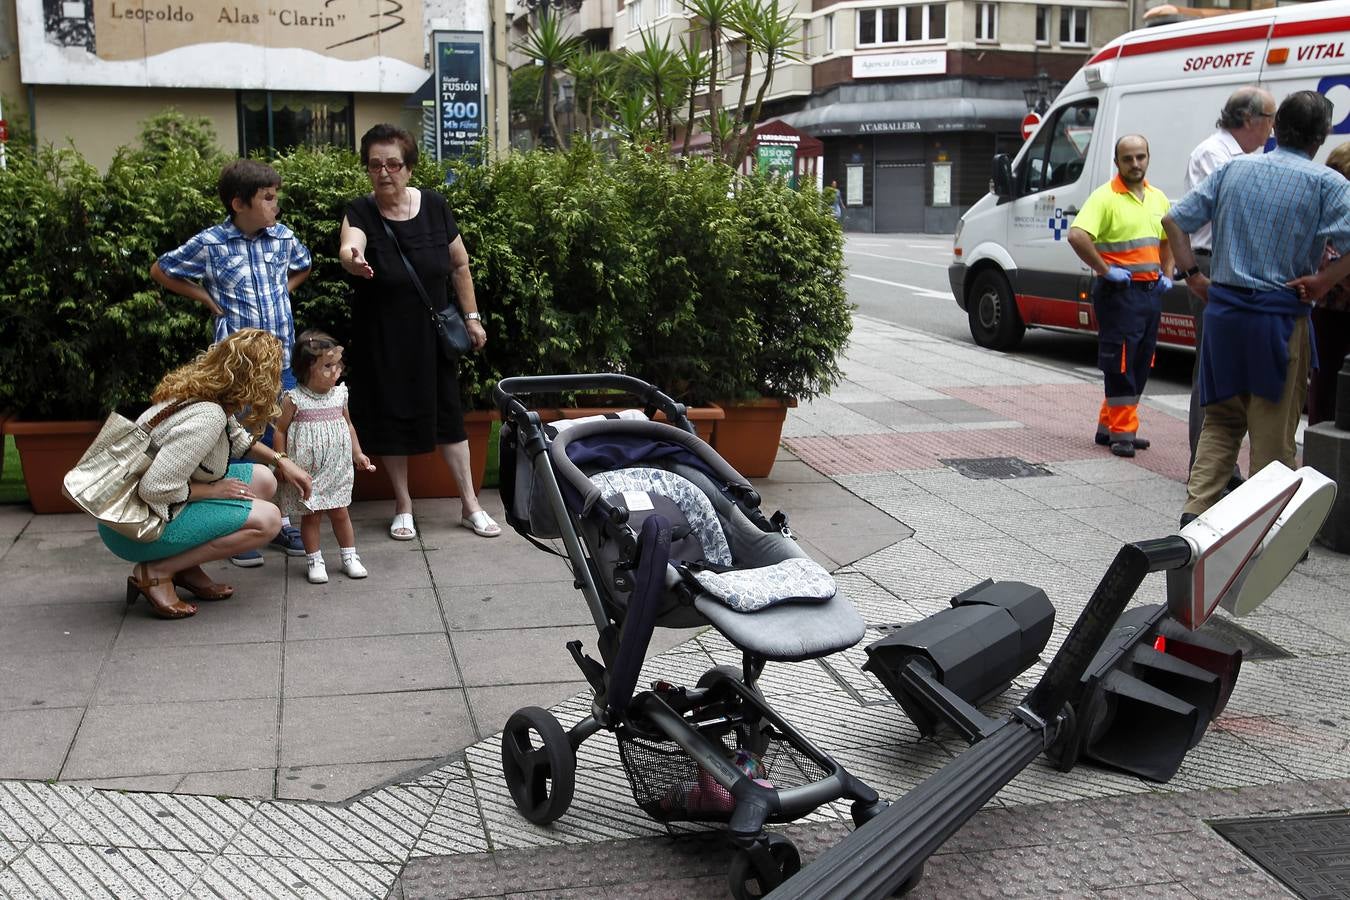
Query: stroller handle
651	397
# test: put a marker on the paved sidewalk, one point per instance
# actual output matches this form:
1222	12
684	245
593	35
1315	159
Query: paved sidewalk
341	740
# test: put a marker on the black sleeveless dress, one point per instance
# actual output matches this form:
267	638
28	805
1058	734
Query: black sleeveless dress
404	395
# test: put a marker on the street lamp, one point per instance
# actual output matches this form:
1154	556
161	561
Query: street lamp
1038	96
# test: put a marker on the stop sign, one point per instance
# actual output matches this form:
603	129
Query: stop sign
1029	125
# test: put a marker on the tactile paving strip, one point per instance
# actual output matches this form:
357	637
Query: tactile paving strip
1309	854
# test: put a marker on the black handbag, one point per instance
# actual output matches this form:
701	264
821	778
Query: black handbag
452	337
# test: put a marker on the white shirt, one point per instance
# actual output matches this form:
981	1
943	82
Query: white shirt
1210	155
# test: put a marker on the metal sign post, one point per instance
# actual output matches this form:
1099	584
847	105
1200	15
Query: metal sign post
461	93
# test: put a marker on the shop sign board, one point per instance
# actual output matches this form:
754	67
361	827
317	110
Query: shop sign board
241	44
894	65
460	98
776	160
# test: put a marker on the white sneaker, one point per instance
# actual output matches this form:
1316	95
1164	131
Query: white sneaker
318	573
352	568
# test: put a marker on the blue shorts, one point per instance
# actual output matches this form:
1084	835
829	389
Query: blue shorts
198	522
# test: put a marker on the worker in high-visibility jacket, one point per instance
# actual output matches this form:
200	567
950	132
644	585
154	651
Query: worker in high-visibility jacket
1118	233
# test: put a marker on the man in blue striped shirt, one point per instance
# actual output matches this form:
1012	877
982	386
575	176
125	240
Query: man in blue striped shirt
1272	218
243	271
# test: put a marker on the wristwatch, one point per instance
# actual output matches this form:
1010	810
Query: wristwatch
473	316
1193	270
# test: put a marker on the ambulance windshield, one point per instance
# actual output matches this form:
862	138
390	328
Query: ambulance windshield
1058	150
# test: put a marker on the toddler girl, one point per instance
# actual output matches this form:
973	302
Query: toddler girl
317	433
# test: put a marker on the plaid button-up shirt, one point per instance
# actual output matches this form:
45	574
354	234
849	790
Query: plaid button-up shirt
1272	214
246	276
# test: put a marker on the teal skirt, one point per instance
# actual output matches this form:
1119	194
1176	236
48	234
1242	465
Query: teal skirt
197	522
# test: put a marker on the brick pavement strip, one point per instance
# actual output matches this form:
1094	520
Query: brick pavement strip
449	829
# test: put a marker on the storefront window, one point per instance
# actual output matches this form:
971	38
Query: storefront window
276	121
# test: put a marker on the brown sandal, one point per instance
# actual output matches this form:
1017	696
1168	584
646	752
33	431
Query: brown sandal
140	585
215	590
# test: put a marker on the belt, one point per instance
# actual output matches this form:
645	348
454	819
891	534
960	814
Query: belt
1201	251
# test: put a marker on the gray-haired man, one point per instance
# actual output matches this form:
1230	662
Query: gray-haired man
1244	127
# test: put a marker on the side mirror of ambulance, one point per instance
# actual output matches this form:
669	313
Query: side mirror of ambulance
1244	546
1000	184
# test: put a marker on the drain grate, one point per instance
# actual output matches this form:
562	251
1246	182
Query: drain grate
1309	854
1253	646
1001	467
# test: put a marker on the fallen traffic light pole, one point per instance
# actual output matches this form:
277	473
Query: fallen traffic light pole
1252	539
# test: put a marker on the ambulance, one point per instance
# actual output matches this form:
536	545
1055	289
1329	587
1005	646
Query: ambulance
1012	267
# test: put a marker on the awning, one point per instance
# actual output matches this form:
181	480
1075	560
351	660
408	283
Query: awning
901	116
770	131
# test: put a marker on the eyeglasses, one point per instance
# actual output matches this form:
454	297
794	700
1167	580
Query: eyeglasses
390	165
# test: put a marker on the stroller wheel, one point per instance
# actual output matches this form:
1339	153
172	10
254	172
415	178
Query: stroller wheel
708	677
756	872
539	764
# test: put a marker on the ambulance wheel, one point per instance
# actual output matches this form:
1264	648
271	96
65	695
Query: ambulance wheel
539	763
994	320
778	860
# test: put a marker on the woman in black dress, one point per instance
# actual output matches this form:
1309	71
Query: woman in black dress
405	396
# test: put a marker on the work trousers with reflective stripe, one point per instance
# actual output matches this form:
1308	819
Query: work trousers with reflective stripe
1127	335
1271	425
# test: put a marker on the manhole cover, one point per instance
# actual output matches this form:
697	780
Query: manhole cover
1252	645
1309	854
996	467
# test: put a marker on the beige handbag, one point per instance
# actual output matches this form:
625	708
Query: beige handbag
104	482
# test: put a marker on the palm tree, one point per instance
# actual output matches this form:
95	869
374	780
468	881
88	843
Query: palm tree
770	31
593	71
549	47
631	113
661	70
696	68
712	16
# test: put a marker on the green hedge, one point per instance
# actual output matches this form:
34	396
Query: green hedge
708	286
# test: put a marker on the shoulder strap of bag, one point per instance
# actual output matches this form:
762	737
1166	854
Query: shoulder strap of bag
412	273
167	411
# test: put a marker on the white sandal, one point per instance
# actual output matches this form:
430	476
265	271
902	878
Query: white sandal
402	529
481	524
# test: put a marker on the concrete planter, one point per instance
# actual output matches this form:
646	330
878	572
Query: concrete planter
428	475
747	436
47	451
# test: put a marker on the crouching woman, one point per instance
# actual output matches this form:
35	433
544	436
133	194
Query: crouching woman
206	413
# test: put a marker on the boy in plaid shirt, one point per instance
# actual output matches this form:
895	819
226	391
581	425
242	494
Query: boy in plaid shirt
243	271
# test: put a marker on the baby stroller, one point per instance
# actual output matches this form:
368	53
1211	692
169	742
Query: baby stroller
660	531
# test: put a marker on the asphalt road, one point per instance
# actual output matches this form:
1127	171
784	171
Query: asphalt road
902	278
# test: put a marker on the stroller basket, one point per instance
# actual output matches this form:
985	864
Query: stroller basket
670	786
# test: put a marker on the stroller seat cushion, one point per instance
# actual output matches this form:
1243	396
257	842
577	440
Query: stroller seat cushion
630	488
751	590
788	632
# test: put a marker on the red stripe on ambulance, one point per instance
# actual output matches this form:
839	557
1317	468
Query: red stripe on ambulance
1226	36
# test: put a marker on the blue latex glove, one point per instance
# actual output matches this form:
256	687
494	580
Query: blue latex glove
1164	283
1117	275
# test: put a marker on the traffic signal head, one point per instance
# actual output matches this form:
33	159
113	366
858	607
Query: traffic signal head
1148	696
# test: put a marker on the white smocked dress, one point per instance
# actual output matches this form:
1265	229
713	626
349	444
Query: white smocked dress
318	441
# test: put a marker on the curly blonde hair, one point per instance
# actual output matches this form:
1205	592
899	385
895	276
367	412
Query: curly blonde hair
1339	159
242	373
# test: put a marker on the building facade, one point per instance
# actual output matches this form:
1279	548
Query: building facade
305	72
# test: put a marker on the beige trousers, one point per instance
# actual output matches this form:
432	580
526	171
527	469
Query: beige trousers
1271	426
